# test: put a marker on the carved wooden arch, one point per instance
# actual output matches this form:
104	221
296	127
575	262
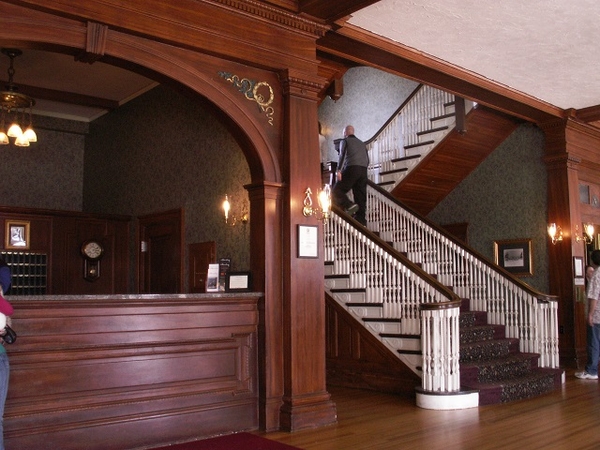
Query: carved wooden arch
24	28
40	30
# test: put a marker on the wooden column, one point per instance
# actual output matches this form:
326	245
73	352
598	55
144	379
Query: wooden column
564	151
306	403
266	264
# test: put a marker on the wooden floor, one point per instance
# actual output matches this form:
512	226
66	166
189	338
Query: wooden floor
568	418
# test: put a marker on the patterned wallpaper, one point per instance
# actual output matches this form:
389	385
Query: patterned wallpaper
505	198
49	173
370	98
163	151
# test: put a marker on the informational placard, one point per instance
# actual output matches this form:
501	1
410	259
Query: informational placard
308	241
212	278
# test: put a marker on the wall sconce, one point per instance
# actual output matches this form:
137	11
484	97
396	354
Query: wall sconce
555	233
232	219
324	209
588	233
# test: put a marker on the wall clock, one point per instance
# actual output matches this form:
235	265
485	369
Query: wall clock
91	251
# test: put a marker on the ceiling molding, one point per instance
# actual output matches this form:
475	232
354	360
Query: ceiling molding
67	97
360	47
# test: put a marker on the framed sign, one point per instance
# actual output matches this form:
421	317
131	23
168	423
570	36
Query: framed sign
238	282
17	235
514	256
578	266
308	241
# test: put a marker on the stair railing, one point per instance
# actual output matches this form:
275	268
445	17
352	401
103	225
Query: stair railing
401	287
402	129
527	314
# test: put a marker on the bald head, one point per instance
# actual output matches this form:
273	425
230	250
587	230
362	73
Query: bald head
349	130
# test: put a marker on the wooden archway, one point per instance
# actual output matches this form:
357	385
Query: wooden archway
259	142
282	155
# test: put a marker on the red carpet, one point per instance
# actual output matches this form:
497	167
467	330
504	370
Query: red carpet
238	441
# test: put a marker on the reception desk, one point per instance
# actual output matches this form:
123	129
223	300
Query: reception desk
126	371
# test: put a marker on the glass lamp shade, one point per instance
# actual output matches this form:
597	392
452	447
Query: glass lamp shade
14	130
30	135
21	141
3	138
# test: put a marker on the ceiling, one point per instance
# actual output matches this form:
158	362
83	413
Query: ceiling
548	50
91	89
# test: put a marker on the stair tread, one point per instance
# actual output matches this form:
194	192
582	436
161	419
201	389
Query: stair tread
348	290
419	144
381	319
406	158
499	360
400	335
388	172
432	130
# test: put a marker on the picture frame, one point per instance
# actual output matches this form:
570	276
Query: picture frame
578	269
514	256
238	282
17	234
308	241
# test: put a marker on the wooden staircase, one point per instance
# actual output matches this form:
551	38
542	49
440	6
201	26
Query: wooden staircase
493	365
367	351
453	159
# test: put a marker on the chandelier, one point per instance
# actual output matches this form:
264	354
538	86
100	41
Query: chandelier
16	108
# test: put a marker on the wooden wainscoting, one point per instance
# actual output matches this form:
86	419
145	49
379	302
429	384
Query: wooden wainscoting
122	372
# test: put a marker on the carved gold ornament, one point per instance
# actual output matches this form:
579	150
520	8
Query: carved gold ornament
259	91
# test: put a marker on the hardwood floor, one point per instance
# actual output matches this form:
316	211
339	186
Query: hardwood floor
566	418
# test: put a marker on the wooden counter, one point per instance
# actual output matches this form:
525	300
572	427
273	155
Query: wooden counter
126	371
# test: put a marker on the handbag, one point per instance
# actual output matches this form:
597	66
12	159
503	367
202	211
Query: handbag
10	336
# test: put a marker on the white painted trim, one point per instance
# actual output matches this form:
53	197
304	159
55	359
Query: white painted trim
441	402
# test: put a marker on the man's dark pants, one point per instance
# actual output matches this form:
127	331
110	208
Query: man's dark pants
353	178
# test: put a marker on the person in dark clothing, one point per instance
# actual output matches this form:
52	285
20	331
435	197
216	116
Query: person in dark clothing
5	277
6	310
352	175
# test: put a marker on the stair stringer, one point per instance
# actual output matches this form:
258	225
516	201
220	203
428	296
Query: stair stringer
412	344
372	364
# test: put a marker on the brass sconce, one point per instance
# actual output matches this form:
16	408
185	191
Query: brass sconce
232	219
324	209
588	233
555	233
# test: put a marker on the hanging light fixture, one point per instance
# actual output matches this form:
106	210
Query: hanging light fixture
13	106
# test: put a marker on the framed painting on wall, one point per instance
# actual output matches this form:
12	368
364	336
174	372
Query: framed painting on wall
515	256
17	235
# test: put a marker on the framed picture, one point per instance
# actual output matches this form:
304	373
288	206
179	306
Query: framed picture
578	266
238	282
308	241
514	256
17	234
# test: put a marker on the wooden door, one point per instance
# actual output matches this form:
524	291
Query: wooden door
160	250
201	255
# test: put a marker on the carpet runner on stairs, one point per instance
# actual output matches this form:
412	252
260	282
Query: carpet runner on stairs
493	364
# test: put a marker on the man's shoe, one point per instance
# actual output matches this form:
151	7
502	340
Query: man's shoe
352	209
586	376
